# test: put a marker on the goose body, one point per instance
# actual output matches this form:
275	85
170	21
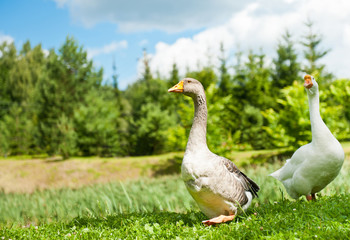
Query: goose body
215	188
313	166
214	182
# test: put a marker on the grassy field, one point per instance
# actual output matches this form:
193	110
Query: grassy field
328	218
161	208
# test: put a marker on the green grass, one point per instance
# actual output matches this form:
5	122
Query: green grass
161	208
327	218
143	195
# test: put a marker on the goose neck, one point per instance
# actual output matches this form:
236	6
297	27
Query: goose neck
314	105
197	138
319	130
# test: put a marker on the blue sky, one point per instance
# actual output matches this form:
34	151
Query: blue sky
43	21
182	31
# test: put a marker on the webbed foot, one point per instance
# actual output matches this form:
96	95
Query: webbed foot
219	219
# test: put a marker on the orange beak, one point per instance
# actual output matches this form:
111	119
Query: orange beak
178	87
308	83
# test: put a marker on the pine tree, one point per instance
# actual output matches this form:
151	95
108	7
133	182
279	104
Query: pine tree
115	77
312	54
206	76
174	75
8	57
286	66
224	82
69	78
147	75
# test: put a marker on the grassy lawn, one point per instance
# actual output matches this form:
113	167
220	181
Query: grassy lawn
161	208
327	218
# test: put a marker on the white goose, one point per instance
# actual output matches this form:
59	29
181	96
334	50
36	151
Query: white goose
313	166
216	184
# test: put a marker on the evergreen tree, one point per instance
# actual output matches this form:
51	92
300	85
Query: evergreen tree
251	93
257	83
174	75
103	133
206	76
20	85
225	78
286	66
147	75
69	78
8	57
115	78
312	54
150	112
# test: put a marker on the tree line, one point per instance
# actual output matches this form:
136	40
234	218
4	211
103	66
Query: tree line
57	103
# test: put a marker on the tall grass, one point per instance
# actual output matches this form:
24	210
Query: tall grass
144	196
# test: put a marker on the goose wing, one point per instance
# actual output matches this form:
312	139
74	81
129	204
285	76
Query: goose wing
247	183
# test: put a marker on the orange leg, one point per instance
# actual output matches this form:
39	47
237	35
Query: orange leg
311	197
219	219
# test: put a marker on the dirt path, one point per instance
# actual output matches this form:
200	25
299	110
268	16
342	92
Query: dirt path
28	175
38	174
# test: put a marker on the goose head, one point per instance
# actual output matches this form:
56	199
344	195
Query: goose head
188	86
310	84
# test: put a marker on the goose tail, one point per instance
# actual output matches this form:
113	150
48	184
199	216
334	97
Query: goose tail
276	174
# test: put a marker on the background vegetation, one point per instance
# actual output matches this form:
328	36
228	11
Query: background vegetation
57	103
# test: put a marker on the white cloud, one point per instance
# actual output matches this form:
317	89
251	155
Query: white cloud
143	43
260	25
251	24
61	3
136	15
5	38
46	52
109	48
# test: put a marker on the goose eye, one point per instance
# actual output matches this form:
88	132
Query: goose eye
189	81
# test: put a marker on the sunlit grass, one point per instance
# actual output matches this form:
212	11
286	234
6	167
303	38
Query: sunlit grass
327	218
161	208
144	195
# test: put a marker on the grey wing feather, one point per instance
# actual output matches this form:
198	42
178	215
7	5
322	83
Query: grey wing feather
247	183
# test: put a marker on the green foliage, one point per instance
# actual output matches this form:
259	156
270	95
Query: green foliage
56	103
70	77
153	114
217	120
49	102
336	114
101	134
206	76
176	139
16	132
225	78
286	65
251	93
290	126
8	54
152	129
68	137
174	75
